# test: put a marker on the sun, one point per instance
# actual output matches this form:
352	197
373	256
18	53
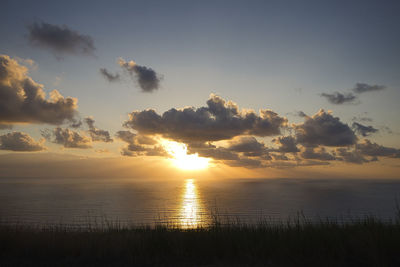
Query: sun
181	159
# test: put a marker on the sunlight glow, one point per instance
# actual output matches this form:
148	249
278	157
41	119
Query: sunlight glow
181	159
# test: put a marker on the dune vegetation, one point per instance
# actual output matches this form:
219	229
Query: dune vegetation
361	242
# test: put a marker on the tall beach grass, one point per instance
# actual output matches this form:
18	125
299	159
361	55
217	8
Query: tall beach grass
365	241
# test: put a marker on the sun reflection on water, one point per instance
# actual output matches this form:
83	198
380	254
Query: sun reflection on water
191	213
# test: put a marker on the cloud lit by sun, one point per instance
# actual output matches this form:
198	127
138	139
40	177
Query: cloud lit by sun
181	159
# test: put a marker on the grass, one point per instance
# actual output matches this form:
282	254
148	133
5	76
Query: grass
361	242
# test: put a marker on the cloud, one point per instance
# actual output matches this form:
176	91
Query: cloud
351	156
363	130
374	150
219	120
324	129
287	144
60	39
362	118
343	98
19	141
339	98
248	145
67	138
76	123
280	156
217	153
146	77
97	134
318	153
228	135
301	114
109	76
139	145
360	88
245	162
22	100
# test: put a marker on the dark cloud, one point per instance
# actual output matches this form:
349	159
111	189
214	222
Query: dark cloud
109	76
130	138
362	119
145	140
76	123
301	114
374	150
343	98
140	145
363	87
18	141
318	153
280	156
97	134
217	153
67	138
247	145
60	39
351	156
324	129
146	77
22	100
287	144
363	130
220	120
339	98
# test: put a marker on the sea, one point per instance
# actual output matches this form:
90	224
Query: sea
193	202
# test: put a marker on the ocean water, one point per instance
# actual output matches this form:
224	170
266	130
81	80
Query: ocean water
191	202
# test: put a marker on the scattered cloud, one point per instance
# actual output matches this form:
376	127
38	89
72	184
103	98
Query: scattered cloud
368	148
324	129
339	98
139	145
301	114
147	79
318	153
360	88
362	118
19	141
60	39
217	153
363	130
22	100
109	76
67	138
95	133
219	120
351	156
76	123
287	144
248	145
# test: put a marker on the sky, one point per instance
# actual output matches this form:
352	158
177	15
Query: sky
254	88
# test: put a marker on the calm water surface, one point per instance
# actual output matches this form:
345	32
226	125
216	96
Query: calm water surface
191	202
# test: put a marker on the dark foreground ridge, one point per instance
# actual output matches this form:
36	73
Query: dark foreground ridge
362	242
